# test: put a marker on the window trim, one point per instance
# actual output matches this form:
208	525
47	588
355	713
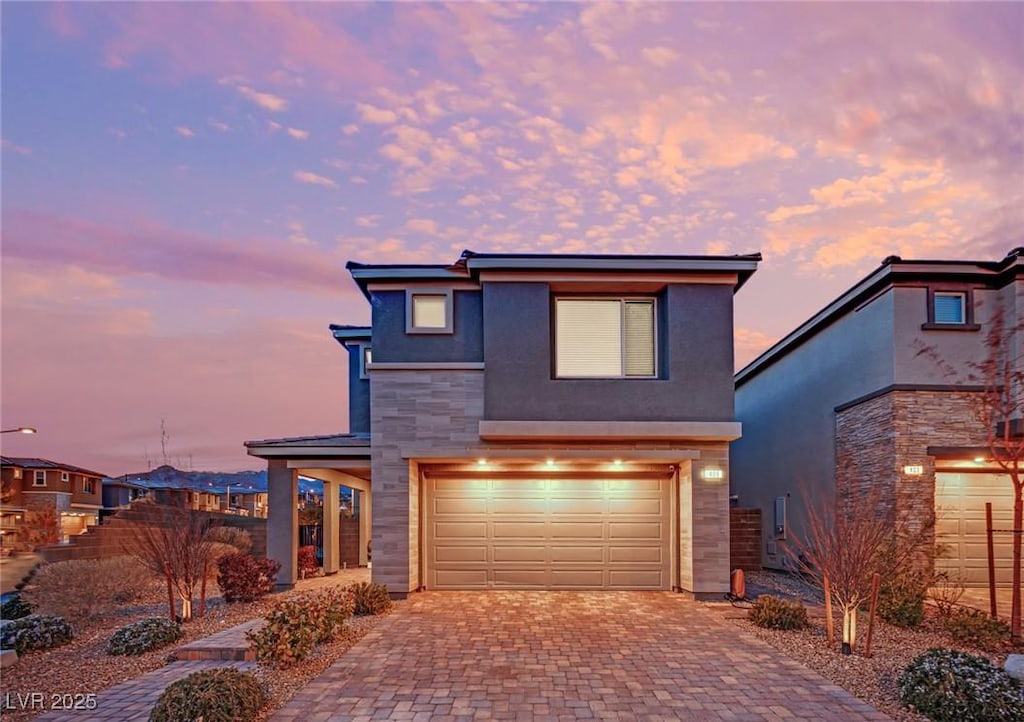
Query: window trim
35	477
86	483
622	299
65	476
967	294
363	371
449	310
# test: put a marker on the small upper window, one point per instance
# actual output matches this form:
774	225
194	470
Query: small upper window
428	311
17	473
605	338
950	308
88	485
365	360
39	478
65	476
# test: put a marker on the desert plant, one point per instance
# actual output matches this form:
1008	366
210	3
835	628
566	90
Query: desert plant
85	588
233	536
212	695
41	528
243	578
308	566
144	636
173	543
774	613
370	598
15	607
297	624
950	686
901	600
946	594
976	629
36	631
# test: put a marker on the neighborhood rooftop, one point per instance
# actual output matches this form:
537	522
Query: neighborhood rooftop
34	463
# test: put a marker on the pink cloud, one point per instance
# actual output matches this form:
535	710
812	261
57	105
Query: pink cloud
136	247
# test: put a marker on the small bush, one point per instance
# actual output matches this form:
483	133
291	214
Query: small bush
144	636
15	607
298	624
901	600
307	564
976	629
85	588
233	536
243	578
946	594
211	695
35	631
950	686
774	613
370	598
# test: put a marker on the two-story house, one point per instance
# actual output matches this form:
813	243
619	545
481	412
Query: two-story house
532	421
848	401
67	494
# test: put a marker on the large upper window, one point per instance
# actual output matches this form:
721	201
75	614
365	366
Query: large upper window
39	478
950	307
605	337
428	311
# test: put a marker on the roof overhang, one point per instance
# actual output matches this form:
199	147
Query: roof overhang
350	335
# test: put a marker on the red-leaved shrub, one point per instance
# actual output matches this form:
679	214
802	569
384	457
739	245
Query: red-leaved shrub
243	578
308	565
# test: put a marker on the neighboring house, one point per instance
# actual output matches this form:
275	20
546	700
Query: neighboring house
848	399
120	493
532	421
248	503
70	495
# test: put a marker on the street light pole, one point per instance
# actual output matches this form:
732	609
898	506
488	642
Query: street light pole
19	430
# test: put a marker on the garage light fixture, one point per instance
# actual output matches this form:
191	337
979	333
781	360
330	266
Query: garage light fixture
979	459
913	470
550	462
481	462
617	462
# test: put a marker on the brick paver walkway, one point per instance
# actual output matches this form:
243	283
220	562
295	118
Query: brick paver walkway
133	700
566	656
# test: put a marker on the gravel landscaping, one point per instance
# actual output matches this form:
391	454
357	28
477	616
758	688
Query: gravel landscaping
84	667
874	679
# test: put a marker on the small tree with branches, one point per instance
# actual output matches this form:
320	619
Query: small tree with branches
998	408
175	542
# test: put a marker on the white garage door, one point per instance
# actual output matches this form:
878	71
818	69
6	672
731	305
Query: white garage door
960	526
547	533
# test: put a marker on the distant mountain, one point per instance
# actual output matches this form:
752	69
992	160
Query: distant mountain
216	481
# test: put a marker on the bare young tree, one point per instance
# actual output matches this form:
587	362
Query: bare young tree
174	542
998	408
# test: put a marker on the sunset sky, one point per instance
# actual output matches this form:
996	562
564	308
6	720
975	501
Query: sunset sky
183	183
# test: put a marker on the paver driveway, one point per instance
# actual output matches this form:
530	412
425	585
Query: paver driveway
566	655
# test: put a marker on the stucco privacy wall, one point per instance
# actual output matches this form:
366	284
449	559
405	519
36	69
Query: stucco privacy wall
704	524
877	438
410	411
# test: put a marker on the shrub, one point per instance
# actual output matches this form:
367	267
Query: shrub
946	594
976	629
307	563
774	613
370	598
85	588
298	624
15	607
144	636
243	578
950	686
35	631
901	600
212	695
233	536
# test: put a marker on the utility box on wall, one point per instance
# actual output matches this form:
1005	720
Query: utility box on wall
779	526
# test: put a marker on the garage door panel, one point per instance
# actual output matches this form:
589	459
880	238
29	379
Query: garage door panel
548	533
960	528
460	553
502	553
577	554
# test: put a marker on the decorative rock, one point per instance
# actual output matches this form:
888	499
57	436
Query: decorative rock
7	658
1015	666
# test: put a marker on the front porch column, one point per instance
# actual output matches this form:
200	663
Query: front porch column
365	505
332	528
283	520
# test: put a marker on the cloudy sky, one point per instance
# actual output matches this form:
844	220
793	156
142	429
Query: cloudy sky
183	183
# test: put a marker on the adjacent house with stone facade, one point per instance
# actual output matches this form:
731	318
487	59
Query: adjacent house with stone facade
37	491
532	421
847	398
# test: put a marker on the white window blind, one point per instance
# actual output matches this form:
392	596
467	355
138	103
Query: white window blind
949	308
604	337
429	311
589	338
